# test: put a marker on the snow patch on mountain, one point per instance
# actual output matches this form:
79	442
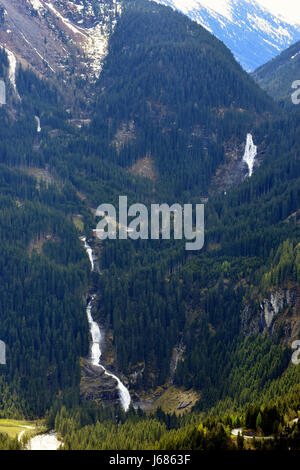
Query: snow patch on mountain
37	5
285	10
253	33
12	61
96	48
50	35
96	44
65	20
95	39
222	7
273	30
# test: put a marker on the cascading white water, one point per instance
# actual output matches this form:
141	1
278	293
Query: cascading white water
96	340
250	153
38	122
89	251
44	442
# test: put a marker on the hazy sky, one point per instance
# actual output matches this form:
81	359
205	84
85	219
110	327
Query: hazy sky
287	8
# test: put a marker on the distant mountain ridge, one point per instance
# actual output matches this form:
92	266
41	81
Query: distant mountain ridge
277	76
251	32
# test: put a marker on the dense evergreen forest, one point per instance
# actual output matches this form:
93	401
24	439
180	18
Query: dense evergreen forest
86	428
173	93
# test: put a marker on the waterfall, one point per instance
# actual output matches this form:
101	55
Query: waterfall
250	153
44	442
38	122
89	251
95	332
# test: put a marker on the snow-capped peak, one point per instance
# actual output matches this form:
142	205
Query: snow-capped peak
222	7
255	30
288	10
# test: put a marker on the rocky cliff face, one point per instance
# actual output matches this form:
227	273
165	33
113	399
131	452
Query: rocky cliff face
97	386
277	313
273	305
50	35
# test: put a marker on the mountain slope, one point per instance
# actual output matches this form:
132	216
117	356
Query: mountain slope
278	75
188	95
250	31
175	102
49	36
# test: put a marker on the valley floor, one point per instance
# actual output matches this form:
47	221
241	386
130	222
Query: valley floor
18	429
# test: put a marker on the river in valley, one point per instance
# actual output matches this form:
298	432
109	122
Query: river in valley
47	441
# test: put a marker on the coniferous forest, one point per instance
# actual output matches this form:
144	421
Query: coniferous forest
171	93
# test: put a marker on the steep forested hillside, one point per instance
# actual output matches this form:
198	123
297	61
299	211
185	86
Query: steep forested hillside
278	75
240	363
171	91
44	274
